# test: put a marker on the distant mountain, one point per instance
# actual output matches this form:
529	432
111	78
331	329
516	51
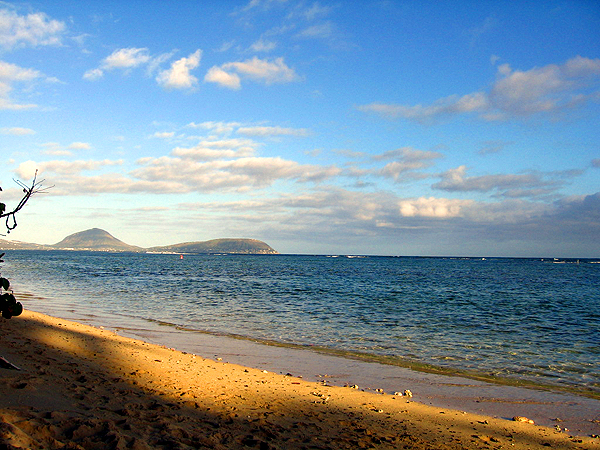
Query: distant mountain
18	245
95	240
248	246
100	240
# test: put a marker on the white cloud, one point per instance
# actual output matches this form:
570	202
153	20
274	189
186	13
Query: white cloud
223	78
239	174
511	185
179	76
272	131
163	134
448	106
433	207
408	154
9	75
489	147
546	89
319	31
93	74
79	146
66	168
405	162
26	170
126	58
316	10
263	46
16	131
248	129
515	94
260	70
208	150
57	152
262	4
34	30
219	128
202	153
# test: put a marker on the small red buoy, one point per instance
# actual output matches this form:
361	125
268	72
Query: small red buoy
180	256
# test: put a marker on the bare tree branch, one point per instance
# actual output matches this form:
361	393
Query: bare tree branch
28	191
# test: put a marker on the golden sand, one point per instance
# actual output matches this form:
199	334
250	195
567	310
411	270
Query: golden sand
82	387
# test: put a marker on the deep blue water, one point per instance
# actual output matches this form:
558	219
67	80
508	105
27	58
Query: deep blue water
523	318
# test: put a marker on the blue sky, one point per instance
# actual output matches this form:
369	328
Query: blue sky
375	127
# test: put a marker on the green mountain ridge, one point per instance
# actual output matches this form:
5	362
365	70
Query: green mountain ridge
96	239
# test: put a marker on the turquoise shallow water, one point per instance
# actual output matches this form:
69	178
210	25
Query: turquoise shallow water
525	319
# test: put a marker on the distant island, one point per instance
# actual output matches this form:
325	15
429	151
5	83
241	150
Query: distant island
98	240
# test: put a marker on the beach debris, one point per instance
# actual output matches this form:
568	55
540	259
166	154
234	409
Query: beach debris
264	371
353	386
324	397
407	393
379	390
523	419
5	364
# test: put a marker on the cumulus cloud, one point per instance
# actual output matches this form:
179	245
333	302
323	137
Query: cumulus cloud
179	76
219	128
207	150
93	74
228	164
11	74
35	29
16	131
223	78
581	208
268	72
79	146
433	207
124	58
240	174
515	94
333	214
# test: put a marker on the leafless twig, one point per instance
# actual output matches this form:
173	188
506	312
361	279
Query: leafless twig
35	188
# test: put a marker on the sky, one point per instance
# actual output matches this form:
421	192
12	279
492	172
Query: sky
431	128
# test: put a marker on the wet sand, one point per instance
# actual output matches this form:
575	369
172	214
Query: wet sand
83	387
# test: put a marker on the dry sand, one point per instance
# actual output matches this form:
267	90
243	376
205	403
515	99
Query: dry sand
82	387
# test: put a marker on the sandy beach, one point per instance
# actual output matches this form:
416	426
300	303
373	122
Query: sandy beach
82	387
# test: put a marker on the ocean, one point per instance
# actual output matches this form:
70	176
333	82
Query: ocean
518	320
